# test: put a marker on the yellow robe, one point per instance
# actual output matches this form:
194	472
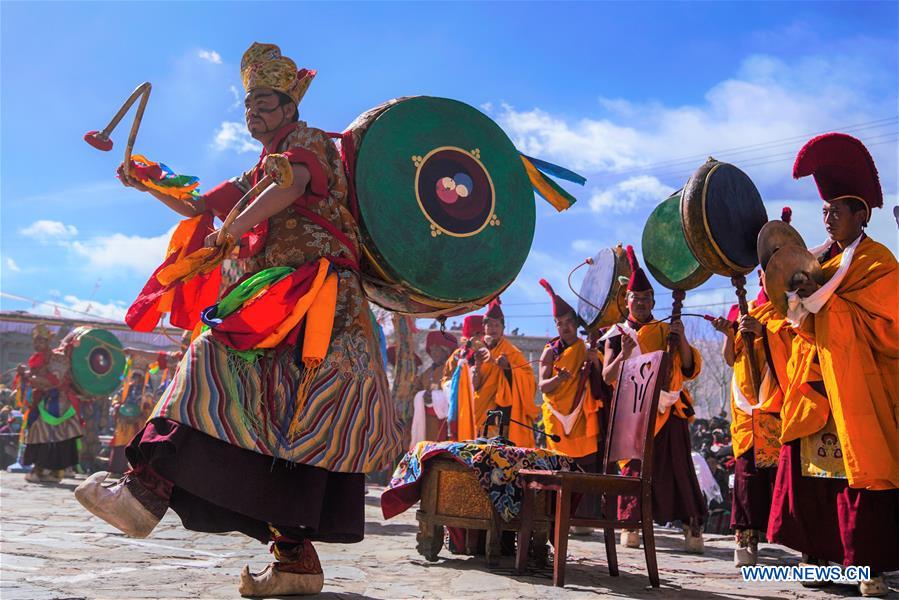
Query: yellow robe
494	391
583	439
654	336
779	342
851	346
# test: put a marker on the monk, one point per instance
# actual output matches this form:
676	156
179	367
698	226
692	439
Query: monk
431	403
499	377
755	427
836	497
573	397
676	495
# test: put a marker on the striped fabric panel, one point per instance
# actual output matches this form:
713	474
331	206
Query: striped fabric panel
348	423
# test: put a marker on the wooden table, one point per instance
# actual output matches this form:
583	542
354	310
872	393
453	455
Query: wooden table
451	496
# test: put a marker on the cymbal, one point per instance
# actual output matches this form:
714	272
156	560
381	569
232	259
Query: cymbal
773	235
786	268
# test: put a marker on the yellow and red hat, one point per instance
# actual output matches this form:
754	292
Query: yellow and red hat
263	65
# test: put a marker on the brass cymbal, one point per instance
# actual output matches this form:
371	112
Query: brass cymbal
776	234
786	268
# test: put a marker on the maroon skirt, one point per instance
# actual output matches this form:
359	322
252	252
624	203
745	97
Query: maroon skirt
216	487
52	455
676	495
753	490
826	519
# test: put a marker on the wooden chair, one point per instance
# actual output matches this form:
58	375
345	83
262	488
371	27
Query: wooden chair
630	434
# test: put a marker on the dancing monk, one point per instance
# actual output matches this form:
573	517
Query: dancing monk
277	411
836	496
676	495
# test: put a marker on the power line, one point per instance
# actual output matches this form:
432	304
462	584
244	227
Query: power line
752	147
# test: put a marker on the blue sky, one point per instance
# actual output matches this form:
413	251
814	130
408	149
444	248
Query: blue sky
632	95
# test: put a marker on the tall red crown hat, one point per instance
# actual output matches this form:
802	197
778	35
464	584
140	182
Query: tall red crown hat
560	307
842	167
494	310
638	281
472	325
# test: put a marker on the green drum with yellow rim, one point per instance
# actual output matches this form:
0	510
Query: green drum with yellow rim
665	250
97	360
446	208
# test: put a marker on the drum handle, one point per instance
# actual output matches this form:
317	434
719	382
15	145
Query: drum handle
739	283
587	261
673	338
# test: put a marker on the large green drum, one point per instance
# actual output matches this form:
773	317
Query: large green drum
665	249
446	208
97	360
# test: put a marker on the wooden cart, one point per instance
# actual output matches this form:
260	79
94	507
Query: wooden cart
451	496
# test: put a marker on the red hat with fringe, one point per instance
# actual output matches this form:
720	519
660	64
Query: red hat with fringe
494	310
842	167
560	307
638	281
472	325
786	214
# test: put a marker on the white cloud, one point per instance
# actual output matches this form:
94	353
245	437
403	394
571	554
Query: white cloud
131	252
234	136
13	266
211	56
630	194
73	306
769	103
238	97
48	231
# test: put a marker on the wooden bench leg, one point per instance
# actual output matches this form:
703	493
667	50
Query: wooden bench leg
493	548
524	532
563	514
430	540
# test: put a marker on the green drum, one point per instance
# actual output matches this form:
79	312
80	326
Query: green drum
665	249
446	208
97	360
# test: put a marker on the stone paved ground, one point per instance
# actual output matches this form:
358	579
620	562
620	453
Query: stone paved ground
51	548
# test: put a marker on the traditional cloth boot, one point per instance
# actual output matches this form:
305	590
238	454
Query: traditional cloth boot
747	550
630	538
693	542
580	530
117	505
35	475
50	476
808	561
297	572
874	587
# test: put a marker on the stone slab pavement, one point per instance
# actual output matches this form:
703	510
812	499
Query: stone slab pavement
50	548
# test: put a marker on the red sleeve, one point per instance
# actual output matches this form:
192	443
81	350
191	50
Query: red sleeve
222	198
318	179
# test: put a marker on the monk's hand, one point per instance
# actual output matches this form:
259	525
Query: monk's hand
721	324
564	374
751	325
593	356
677	328
482	355
628	345
129	181
503	362
804	285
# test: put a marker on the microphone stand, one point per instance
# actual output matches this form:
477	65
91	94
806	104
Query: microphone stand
492	415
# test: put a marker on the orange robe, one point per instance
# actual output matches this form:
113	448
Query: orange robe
494	391
851	347
583	437
772	350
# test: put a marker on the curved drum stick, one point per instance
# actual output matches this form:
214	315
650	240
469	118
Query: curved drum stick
277	171
100	139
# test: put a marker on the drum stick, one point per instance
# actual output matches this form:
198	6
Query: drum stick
100	139
739	283
277	171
